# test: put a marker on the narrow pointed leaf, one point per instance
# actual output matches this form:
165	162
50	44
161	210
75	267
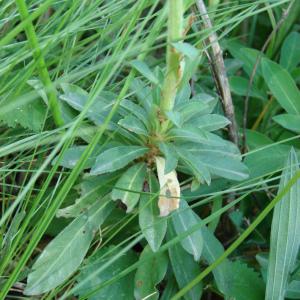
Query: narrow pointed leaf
184	267
282	86
183	219
63	255
143	68
149	274
290	51
133	124
117	158
132	179
288	121
122	289
285	239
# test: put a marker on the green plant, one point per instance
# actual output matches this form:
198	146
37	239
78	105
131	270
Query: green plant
139	194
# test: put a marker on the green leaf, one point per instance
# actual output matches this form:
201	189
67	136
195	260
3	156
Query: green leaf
122	289
248	56
31	115
288	121
175	118
143	93
221	165
131	180
184	267
63	255
210	122
285	239
143	68
72	155
192	109
149	274
244	280
293	290
116	158
152	225
212	250
186	49
194	165
77	98
290	51
93	188
133	124
282	86
189	134
239	86
170	155
136	110
183	219
183	94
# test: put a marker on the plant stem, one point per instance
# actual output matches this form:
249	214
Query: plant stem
41	65
173	71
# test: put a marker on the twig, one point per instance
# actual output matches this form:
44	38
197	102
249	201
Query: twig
219	71
263	49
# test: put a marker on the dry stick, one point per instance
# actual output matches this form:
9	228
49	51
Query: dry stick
219	71
263	49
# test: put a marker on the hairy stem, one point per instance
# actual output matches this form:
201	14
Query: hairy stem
173	71
41	65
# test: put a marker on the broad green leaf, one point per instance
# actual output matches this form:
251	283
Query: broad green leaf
30	115
183	95
194	165
246	283
133	124
184	267
122	289
143	93
92	189
152	225
239	85
116	158
170	155
39	87
192	109
212	250
221	165
266	159
209	122
63	255
293	290
290	51
282	86
189	134
175	118
288	121
285	239
136	110
72	155
248	56
131	180
143	68
149	274
77	98
183	219
186	49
